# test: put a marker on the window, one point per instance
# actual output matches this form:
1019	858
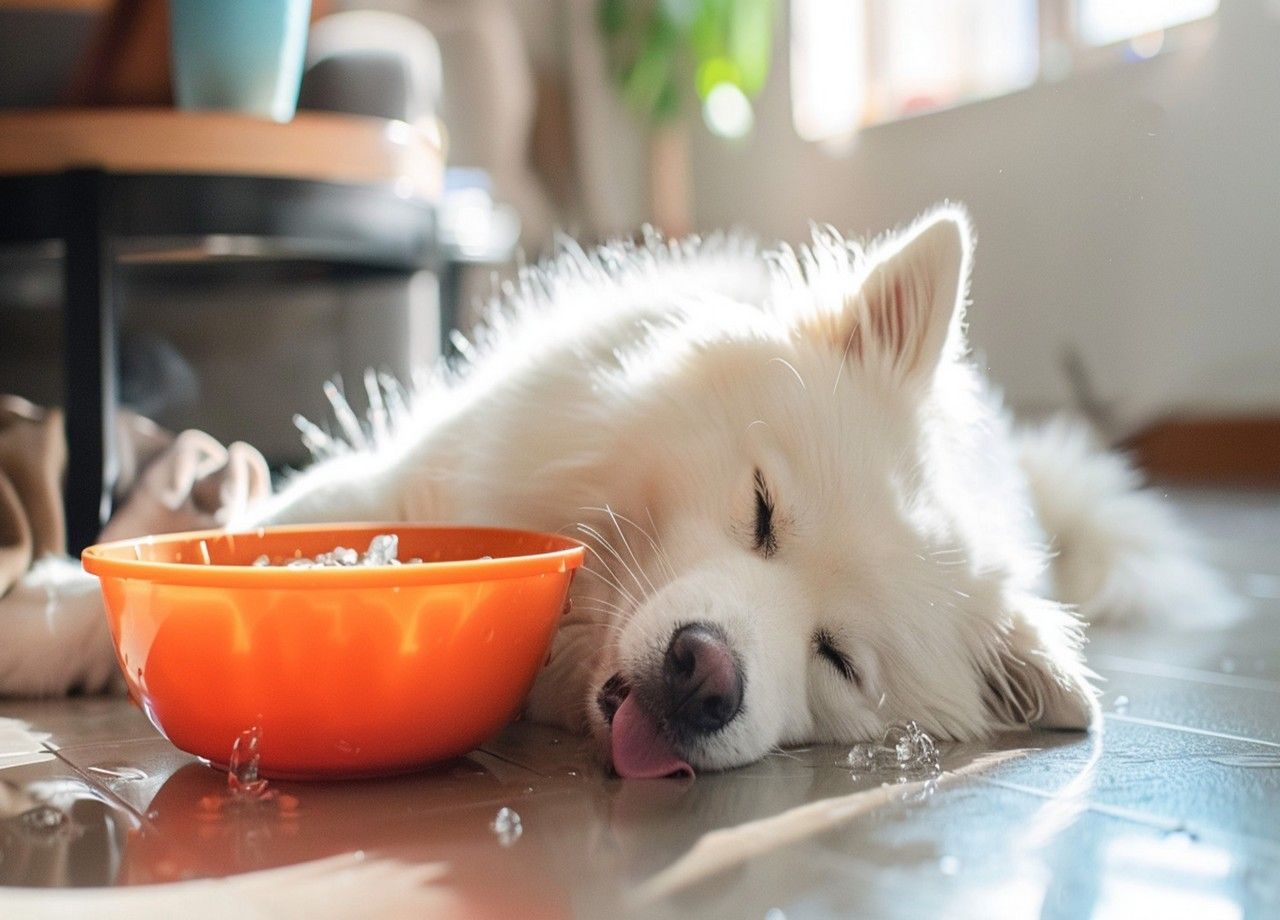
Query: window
861	62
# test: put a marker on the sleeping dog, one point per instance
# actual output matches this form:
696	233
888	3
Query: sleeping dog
809	515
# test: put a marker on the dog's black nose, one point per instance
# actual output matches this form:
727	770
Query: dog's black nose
703	680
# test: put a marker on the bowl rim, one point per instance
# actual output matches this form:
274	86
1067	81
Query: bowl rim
97	561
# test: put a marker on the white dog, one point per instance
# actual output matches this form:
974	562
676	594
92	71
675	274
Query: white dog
809	515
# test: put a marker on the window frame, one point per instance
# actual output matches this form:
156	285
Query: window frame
1061	54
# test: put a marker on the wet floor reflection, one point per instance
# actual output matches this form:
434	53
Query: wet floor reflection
196	828
1062	825
59	833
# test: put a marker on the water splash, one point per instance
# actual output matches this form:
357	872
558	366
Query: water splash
903	749
506	826
248	795
242	767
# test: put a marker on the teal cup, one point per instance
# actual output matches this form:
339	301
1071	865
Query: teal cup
241	55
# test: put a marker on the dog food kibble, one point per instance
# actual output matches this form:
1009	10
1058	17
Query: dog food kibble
384	549
905	749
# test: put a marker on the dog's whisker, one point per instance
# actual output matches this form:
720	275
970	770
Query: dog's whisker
599	603
626	543
612	620
594	549
607	611
599	538
586	528
659	553
659	548
611	582
779	751
791	367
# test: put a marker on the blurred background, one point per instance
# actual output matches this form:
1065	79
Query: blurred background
1118	158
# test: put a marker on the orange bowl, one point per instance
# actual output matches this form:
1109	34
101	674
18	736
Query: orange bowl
344	671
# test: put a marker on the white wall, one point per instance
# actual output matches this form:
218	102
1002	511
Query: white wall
1132	213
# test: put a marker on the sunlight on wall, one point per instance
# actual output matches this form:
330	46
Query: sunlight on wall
1103	22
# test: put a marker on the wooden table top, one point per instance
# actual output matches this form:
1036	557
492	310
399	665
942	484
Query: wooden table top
315	145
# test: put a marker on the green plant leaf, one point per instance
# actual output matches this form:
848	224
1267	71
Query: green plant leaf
750	41
657	48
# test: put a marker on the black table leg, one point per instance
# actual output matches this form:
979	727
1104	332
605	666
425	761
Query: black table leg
450	305
89	353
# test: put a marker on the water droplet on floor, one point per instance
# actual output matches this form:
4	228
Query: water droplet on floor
1121	704
1228	665
861	757
242	766
905	749
43	819
948	865
506	826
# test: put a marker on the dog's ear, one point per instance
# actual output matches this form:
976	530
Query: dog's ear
1033	674
908	304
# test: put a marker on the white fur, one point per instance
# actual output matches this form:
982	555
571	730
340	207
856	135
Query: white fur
1121	554
631	394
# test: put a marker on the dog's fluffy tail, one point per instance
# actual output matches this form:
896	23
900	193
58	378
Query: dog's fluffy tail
1120	553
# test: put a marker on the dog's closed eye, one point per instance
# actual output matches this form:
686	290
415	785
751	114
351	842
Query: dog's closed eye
765	538
825	645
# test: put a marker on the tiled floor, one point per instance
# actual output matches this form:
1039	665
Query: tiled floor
1173	810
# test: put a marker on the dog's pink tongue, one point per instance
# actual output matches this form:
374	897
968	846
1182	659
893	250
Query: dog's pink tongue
639	750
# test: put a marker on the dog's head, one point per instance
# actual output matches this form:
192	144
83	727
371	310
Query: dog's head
803	568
